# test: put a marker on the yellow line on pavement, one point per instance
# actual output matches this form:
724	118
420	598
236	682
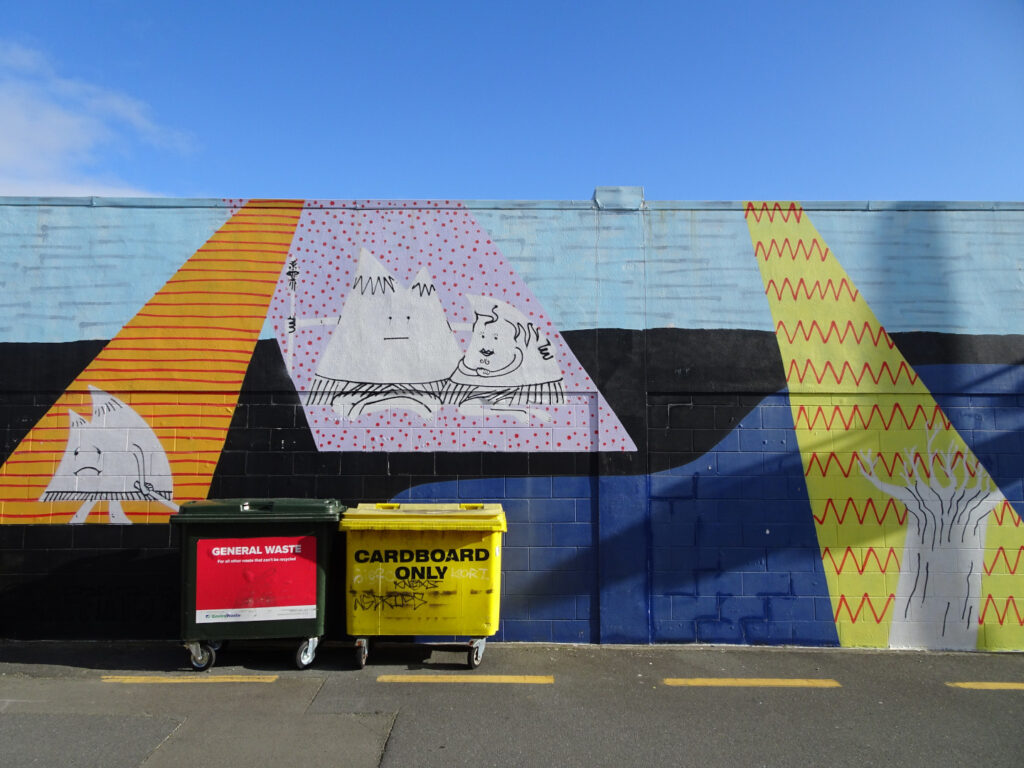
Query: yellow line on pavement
193	678
515	679
753	682
983	686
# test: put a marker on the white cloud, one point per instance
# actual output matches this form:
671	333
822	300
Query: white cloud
55	131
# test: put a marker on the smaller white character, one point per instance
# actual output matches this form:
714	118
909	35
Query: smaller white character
508	366
114	457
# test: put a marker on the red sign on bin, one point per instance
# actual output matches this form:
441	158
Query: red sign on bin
269	578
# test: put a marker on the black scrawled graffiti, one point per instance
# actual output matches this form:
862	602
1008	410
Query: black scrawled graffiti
370	601
414	585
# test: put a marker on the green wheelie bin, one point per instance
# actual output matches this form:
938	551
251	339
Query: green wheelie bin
254	569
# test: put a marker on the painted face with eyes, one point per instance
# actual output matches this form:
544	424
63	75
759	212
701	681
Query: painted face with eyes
396	326
109	454
96	455
87	458
493	349
389	334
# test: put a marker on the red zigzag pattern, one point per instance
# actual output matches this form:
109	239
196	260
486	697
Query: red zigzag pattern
1005	509
785	248
856	414
1001	617
1001	552
811	290
890	465
869	554
861	514
877	335
794	211
865	600
847	370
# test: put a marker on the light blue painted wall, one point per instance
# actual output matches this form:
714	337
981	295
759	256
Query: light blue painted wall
80	269
934	270
956	271
72	270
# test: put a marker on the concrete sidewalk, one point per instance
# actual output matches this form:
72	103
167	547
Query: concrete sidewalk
121	704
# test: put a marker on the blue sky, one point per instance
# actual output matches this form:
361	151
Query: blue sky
525	100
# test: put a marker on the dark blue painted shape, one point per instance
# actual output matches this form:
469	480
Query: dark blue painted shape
986	411
624	543
750	571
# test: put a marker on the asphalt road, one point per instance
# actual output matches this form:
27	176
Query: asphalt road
111	705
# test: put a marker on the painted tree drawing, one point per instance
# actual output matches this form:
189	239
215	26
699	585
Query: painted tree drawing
948	504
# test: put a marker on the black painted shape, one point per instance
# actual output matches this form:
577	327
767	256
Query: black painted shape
678	369
686	360
354	463
259	460
267	374
89	582
35	367
929	348
268	447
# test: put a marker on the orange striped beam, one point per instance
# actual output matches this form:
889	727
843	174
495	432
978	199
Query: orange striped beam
179	363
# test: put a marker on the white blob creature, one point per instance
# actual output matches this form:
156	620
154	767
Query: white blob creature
392	347
115	456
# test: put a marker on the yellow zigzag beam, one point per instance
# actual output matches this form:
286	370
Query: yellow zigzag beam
855	398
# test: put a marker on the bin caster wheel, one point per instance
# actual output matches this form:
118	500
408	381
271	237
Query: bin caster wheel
218	645
362	652
306	653
475	655
204	659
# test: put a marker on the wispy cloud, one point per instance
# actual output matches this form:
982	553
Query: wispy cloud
55	131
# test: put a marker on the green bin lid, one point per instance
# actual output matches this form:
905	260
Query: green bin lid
424	517
259	510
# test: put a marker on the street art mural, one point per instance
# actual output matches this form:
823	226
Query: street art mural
406	330
753	423
870	433
393	348
168	382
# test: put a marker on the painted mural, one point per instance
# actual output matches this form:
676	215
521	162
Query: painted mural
407	330
690	444
161	392
871	434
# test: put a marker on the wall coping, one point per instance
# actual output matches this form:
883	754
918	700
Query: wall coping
622	199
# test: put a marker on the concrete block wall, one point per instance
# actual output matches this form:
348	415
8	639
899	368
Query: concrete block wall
727	372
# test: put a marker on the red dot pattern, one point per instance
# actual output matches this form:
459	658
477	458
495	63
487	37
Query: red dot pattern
445	239
234	204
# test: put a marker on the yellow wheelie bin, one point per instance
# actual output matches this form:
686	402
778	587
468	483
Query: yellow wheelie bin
423	570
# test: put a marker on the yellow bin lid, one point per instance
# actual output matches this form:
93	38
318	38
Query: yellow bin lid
424	517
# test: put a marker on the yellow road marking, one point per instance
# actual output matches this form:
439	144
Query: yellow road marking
983	686
753	682
193	678
520	679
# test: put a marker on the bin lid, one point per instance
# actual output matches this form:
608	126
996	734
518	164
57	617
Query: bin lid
259	510
424	517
